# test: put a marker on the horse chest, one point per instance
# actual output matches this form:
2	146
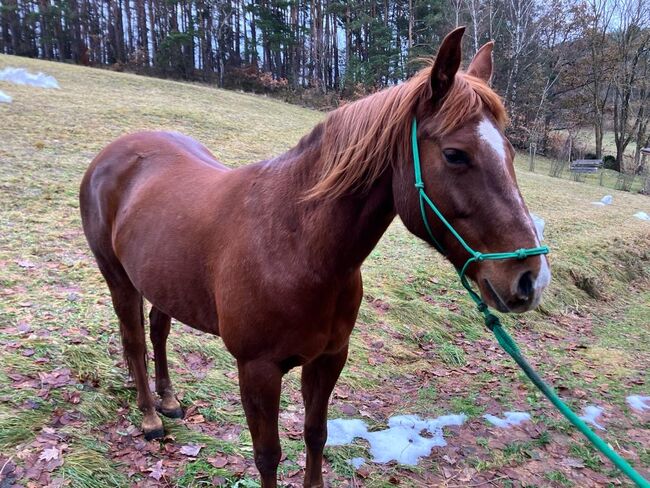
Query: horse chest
289	322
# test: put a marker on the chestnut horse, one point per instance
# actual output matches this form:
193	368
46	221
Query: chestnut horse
268	255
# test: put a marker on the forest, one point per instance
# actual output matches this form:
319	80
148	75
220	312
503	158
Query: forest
563	67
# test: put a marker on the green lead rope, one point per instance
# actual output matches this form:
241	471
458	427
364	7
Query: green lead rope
493	323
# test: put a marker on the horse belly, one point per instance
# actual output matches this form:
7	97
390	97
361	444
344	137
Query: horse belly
167	256
172	280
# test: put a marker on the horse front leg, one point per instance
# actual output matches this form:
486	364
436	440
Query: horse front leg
260	383
318	379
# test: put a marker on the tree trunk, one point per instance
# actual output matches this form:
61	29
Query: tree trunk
335	48
143	37
411	20
129	47
237	37
152	27
254	57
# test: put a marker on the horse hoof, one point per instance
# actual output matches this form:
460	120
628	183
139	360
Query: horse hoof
173	413
154	434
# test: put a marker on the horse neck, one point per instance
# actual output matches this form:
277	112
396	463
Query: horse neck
337	233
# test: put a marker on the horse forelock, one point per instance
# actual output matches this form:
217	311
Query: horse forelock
468	99
361	139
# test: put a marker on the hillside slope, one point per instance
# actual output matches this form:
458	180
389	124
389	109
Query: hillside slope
67	407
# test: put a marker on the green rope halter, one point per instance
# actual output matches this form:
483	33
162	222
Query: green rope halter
493	323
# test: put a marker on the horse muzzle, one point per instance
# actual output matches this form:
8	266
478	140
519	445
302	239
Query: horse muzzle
519	293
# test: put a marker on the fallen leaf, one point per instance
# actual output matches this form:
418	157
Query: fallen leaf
447	472
157	471
72	397
572	463
56	378
49	454
363	471
218	461
195	419
191	450
348	409
449	459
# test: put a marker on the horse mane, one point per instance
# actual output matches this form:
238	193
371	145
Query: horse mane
361	139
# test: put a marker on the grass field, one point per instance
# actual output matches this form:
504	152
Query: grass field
67	407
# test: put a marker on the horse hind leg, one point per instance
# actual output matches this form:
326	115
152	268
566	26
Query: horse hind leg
160	325
127	302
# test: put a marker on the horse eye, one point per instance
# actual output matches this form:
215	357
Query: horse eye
456	156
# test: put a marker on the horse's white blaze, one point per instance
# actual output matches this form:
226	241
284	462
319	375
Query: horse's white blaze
491	136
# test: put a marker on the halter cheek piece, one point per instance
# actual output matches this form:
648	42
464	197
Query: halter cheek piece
475	256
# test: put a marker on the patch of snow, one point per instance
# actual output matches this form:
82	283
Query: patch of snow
510	419
539	226
356	462
590	415
402	441
4	98
606	200
642	216
344	431
638	402
21	76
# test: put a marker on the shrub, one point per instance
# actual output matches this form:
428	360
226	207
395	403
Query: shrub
609	162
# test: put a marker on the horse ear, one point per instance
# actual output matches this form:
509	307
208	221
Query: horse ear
446	64
481	65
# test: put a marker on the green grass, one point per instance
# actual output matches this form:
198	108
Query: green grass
16	427
558	477
200	473
437	358
87	468
467	405
588	455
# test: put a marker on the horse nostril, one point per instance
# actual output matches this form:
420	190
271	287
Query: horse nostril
525	285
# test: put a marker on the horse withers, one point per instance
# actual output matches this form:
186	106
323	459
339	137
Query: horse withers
268	255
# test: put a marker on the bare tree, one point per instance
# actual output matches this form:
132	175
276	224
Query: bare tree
475	10
520	26
631	48
597	22
457	9
557	28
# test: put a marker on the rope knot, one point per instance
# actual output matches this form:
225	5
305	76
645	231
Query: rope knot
479	257
521	253
419	185
491	321
482	307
